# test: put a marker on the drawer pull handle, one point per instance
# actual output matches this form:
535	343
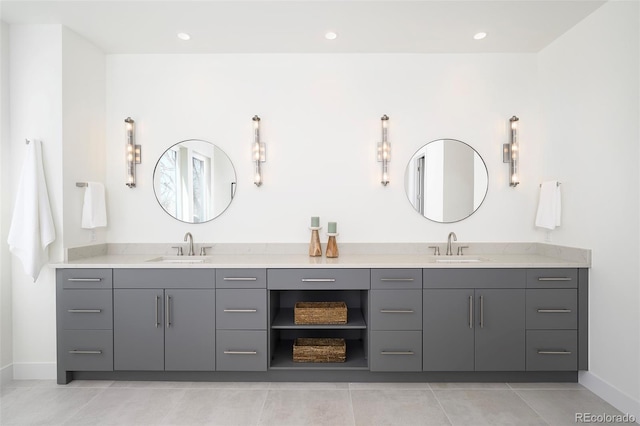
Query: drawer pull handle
396	311
554	352
554	311
241	352
80	352
240	279
84	311
397	279
241	310
85	280
318	280
554	278
396	353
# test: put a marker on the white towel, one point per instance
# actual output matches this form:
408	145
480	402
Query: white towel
549	205
94	210
32	228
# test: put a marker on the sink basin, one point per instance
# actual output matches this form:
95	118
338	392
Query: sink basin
461	259
181	259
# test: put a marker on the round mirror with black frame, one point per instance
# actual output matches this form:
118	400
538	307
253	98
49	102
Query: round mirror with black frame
446	180
194	181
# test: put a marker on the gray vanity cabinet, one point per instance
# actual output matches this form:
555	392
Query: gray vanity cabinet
164	328
474	320
396	320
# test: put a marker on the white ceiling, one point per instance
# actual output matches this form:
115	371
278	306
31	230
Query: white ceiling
265	26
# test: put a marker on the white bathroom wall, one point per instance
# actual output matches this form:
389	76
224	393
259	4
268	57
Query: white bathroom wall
83	105
589	84
321	122
35	85
6	323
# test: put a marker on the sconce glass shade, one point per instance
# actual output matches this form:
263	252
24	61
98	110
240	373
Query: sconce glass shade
133	153
511	153
258	152
384	151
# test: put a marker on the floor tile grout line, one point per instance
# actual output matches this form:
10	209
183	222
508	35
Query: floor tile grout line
353	411
534	410
68	418
264	403
442	407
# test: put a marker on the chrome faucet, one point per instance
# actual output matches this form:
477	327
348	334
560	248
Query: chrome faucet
455	238
189	237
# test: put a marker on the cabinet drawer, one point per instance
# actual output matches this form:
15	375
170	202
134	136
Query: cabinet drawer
552	350
242	350
241	278
474	278
241	309
396	309
86	350
396	278
86	309
318	279
552	278
552	309
86	278
396	351
163	278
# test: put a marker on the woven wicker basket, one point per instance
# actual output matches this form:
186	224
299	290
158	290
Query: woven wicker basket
306	349
320	313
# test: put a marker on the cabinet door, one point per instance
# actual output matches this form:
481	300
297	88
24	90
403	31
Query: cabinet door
448	330
138	333
500	330
189	324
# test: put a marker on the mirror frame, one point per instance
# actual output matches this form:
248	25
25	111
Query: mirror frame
233	190
484	196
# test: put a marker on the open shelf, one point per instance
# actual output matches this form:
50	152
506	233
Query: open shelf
282	358
284	320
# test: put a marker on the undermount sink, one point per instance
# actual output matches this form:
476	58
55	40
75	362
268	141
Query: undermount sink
461	259
181	259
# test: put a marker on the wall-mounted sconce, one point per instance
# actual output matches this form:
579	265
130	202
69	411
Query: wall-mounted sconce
133	152
384	151
259	151
511	153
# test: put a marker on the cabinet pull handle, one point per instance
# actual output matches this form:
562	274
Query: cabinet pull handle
241	310
240	279
554	311
396	311
318	280
481	312
241	352
542	352
84	311
85	280
80	352
157	318
554	278
470	311
396	353
168	311
397	279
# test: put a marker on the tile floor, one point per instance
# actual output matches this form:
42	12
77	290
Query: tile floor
37	402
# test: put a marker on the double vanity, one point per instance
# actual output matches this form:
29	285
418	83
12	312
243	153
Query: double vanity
513	312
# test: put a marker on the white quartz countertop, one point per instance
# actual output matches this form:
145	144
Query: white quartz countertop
534	255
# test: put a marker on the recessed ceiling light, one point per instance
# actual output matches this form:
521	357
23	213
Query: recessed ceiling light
183	36
480	36
331	35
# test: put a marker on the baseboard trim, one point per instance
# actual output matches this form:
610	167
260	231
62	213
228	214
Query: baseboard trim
34	371
6	374
610	393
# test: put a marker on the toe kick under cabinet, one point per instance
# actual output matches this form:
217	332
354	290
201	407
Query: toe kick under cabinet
402	324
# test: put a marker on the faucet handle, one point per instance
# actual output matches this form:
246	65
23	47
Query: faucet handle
460	253
436	250
203	250
179	249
